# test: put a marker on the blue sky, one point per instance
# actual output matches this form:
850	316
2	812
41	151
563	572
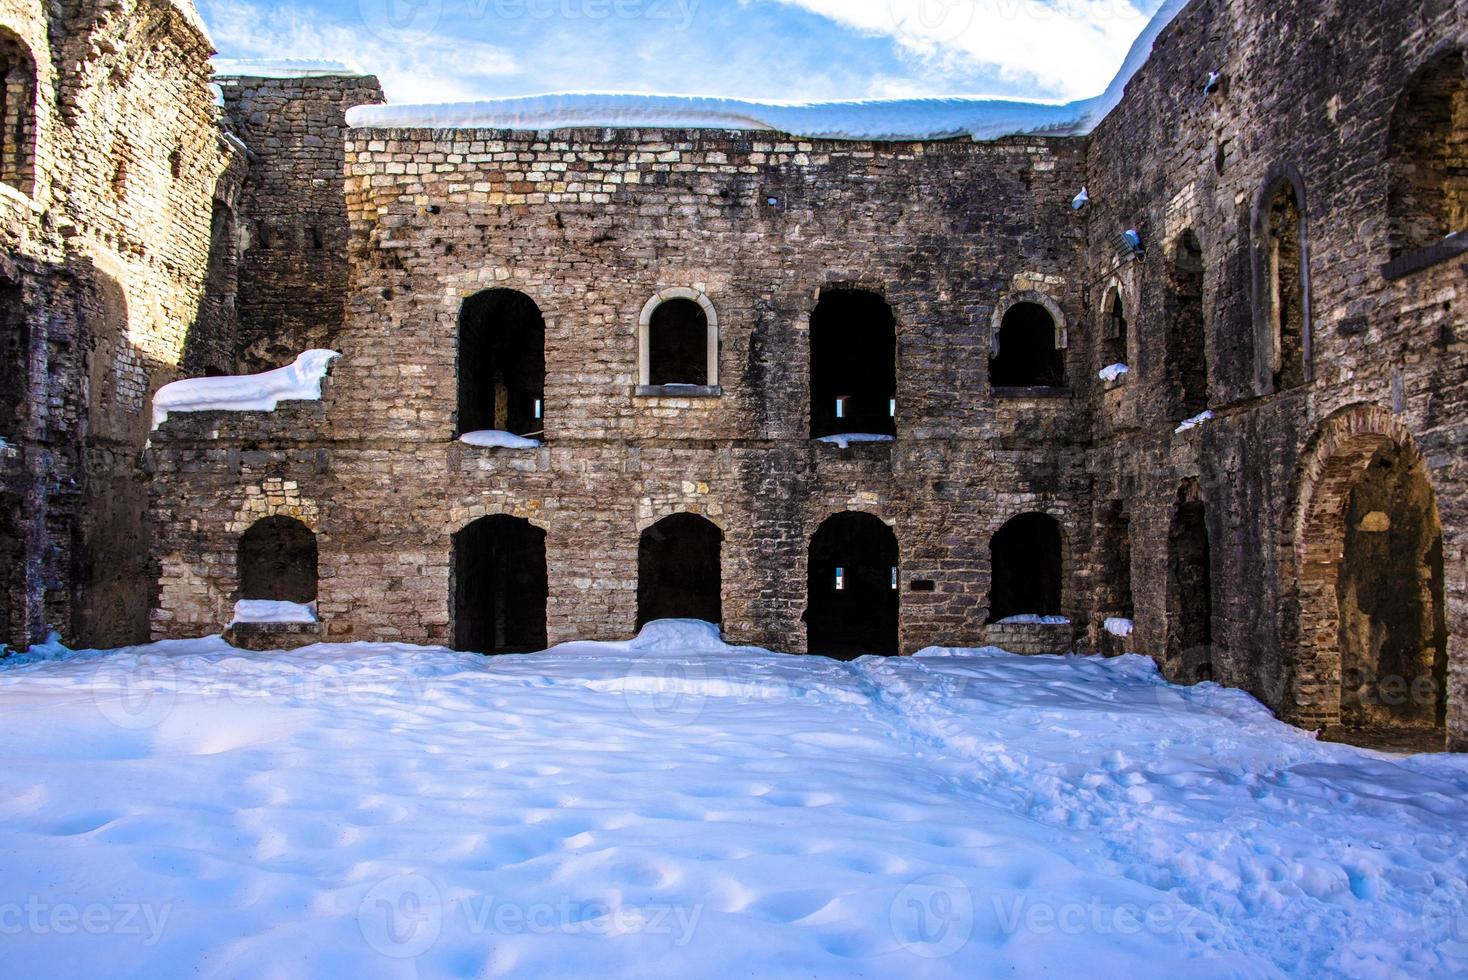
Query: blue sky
453	50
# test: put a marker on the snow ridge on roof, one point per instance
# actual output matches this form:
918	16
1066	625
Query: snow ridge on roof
282	68
880	120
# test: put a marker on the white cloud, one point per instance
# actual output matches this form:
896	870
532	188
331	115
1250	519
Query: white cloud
1061	48
410	72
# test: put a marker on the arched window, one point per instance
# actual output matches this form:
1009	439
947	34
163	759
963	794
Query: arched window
1190	590
678	571
14	345
501	364
853	589
277	561
500	586
1187	335
853	364
679	341
1285	296
18	113
1115	330
1028	352
1428	162
1025	568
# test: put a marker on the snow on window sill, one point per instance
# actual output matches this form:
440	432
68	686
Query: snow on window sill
496	439
271	612
1031	619
1193	423
1118	626
1114	373
848	439
678	391
1038	391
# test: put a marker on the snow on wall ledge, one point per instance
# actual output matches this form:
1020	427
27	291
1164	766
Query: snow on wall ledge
281	68
881	120
298	381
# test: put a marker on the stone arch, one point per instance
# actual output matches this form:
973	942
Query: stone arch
499	586
463	514
1324	626
1427	156
647	330
1281	274
1186	348
679	570
1115	326
853	602
18	90
277	559
1028	341
853	363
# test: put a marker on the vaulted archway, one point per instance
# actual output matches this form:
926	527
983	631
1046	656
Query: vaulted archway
679	573
852	596
500	586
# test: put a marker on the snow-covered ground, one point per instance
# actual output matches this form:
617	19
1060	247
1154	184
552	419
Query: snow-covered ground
674	807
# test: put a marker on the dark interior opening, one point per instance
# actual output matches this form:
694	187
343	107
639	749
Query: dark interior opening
678	571
1114	351
1029	355
1428	199
14	347
1391	589
853	364
277	560
852	594
1286	285
501	364
1025	563
1115	592
1190	587
500	586
1187	338
17	113
12	578
678	344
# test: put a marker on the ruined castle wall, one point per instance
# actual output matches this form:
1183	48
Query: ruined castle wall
293	279
107	250
591	225
1309	92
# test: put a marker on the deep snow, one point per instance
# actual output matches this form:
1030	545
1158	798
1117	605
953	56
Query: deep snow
675	807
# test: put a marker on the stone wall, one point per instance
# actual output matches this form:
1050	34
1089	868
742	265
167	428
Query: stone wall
293	280
103	256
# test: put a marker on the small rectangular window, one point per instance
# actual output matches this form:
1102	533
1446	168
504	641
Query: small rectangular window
892	407
539	409
840	579
894	578
841	406
924	585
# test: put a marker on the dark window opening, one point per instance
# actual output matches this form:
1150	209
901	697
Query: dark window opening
12	580
853	364
17	113
678	344
852	597
1393	617
264	236
500	586
678	571
1028	353
1285	282
315	237
1025	568
1190	590
1116	562
277	561
1114	350
14	354
1187	337
501	364
1428	162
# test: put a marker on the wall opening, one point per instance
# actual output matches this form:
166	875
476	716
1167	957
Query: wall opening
1428	157
1025	568
1190	589
1391	590
678	571
1115	331
1187	335
678	344
1114	590
17	113
277	560
12	579
1285	283
14	354
500	586
852	596
1027	351
853	364
501	364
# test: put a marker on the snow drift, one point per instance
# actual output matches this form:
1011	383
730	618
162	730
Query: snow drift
298	381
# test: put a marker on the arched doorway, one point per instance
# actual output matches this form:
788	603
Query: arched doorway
1025	561
501	364
1369	590
1189	589
678	571
500	586
852	595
